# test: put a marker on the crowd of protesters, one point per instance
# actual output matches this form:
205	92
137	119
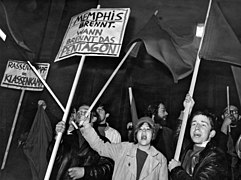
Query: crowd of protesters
95	150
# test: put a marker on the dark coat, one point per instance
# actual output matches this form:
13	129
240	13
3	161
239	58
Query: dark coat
212	165
74	151
164	141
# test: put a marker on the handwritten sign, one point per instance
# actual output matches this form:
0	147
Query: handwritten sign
18	75
96	32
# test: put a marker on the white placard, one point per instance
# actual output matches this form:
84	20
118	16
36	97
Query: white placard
96	32
18	75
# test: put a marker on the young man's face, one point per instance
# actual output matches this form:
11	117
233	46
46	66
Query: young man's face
144	135
102	114
201	129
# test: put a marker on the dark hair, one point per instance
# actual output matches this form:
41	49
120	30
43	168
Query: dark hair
96	113
100	104
212	118
138	128
152	109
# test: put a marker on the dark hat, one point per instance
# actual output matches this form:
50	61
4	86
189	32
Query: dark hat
145	120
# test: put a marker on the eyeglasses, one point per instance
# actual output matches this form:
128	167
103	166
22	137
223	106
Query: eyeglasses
81	112
232	112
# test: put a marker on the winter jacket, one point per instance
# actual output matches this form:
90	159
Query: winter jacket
164	141
74	151
212	165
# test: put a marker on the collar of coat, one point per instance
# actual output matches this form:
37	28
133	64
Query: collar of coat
151	151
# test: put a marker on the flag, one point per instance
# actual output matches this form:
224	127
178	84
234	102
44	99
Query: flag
220	43
177	53
236	75
37	143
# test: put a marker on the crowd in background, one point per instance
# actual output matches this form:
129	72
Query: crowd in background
95	150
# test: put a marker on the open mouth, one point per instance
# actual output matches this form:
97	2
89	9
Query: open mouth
143	137
197	135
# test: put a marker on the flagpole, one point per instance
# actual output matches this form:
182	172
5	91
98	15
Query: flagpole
105	86
46	85
130	95
228	102
228	105
66	112
12	129
110	78
191	90
133	107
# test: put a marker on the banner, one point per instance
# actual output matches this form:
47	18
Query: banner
36	146
18	75
96	32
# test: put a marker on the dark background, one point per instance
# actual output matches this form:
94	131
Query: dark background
41	24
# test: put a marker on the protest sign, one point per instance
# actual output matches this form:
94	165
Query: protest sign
96	32
18	75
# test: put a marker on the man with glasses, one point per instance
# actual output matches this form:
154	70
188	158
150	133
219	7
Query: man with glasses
231	119
231	130
75	158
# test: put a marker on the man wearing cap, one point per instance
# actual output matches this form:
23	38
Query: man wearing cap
133	161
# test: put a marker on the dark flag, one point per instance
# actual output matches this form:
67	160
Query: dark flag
37	143
221	44
178	53
237	75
